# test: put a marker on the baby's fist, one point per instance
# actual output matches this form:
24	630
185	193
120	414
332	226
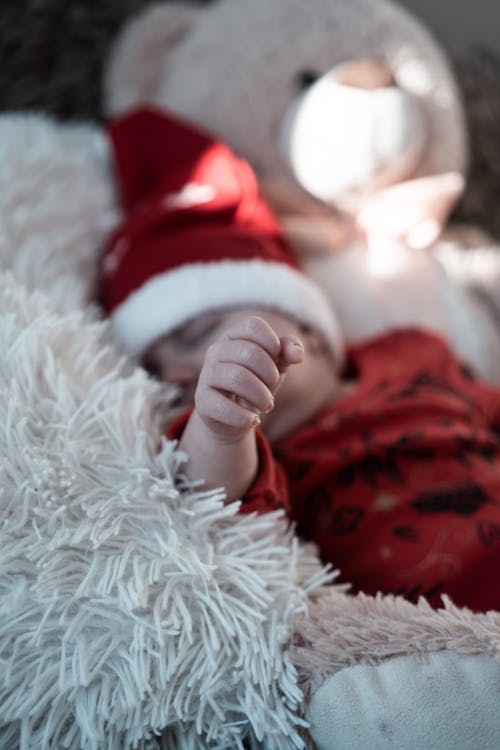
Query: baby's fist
240	375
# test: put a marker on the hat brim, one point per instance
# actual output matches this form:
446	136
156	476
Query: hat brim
169	300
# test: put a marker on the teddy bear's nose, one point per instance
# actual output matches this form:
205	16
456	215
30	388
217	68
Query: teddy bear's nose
364	74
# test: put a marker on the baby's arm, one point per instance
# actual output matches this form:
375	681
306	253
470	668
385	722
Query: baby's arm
239	377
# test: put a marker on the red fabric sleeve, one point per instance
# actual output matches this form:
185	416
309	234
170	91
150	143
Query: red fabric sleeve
269	490
176	427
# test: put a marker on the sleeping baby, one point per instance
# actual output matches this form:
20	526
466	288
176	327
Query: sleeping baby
386	454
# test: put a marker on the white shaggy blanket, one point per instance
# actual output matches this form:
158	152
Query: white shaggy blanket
131	603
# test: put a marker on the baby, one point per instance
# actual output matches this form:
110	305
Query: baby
231	365
385	454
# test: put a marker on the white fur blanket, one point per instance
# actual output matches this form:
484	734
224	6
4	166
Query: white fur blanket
131	601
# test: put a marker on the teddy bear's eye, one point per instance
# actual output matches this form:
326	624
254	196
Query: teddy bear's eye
306	78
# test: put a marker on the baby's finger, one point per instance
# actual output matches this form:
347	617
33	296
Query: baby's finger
235	379
258	331
221	409
291	352
247	354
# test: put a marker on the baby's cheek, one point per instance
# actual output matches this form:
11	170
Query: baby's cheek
291	388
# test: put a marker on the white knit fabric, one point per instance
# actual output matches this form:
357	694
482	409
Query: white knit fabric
168	300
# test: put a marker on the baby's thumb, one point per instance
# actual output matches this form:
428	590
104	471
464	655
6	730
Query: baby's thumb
291	353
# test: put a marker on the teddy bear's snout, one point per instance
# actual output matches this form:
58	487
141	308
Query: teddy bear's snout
368	74
351	131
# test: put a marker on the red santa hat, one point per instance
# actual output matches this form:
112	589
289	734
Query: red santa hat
196	236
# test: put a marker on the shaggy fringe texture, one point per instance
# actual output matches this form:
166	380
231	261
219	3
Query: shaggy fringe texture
132	604
129	601
339	631
57	204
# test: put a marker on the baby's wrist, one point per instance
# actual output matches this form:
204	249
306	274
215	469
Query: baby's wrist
221	460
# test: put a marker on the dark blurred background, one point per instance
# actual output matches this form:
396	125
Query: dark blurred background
52	52
460	24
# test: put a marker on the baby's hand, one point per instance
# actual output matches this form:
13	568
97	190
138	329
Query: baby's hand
240	375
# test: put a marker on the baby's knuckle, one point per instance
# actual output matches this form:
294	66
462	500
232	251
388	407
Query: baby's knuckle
219	411
255	325
236	377
243	419
249	352
240	422
215	411
212	352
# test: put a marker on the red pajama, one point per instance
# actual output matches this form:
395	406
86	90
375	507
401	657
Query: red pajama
398	482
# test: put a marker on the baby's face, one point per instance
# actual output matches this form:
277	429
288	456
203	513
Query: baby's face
179	356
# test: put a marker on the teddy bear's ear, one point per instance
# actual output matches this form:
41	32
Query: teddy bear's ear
134	70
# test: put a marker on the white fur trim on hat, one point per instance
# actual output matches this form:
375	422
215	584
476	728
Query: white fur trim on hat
168	300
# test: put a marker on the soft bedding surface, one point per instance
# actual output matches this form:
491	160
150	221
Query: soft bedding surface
130	601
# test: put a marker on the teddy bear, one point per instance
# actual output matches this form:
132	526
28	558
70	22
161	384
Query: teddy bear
98	604
374	95
366	134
